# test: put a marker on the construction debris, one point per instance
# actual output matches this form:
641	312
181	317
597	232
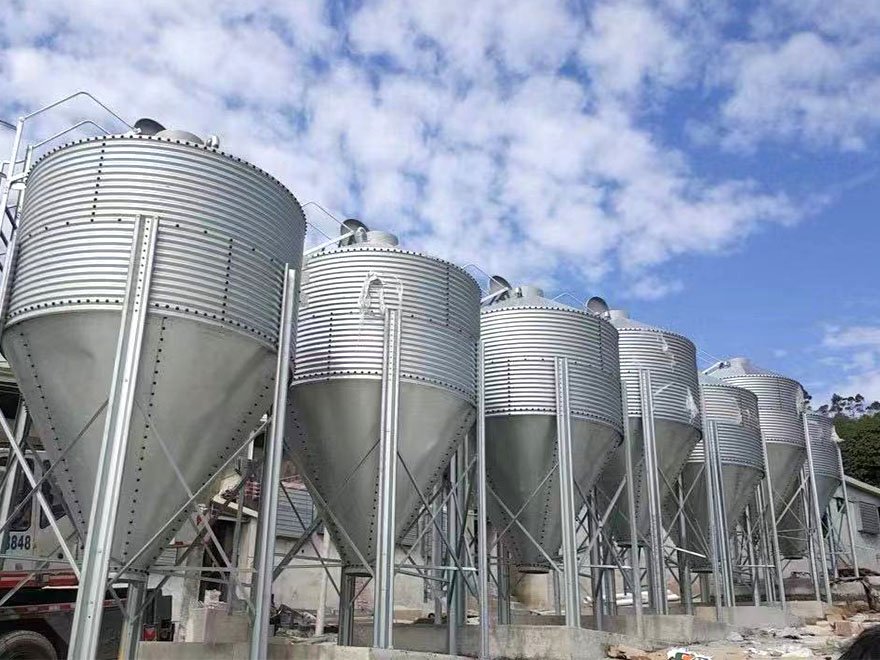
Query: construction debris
824	639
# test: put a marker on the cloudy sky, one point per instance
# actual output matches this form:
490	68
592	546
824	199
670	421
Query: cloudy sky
713	169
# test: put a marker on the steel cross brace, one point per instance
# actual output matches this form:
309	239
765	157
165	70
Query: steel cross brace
311	540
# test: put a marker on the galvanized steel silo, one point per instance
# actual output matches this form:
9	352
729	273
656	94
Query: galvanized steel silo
780	406
826	469
225	231
334	407
522	338
826	466
734	412
670	359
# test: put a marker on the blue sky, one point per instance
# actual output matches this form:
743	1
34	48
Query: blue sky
713	168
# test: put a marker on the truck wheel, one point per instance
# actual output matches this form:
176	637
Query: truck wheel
26	645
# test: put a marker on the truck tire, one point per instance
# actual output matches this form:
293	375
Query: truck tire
26	645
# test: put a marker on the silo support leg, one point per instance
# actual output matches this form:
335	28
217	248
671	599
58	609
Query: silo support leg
772	532
684	567
86	625
708	431
346	609
652	472
131	624
849	523
571	588
817	516
264	556
482	513
634	560
750	549
455	580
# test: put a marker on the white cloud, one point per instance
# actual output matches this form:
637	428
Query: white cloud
807	74
855	351
632	45
651	287
462	126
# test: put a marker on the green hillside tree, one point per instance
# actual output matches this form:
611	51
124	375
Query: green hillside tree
860	449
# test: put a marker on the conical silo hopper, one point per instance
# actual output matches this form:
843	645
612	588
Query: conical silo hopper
826	470
734	411
671	361
522	338
225	231
334	409
780	406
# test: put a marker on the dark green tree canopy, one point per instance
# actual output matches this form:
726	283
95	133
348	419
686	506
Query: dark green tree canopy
858	425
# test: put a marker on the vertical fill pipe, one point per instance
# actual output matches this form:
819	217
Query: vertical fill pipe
383	584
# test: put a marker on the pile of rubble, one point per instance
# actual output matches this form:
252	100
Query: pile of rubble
824	639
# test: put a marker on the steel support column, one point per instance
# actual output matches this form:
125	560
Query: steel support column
710	441
86	625
684	564
708	430
817	516
635	562
773	548
482	512
437	556
273	448
131	624
322	593
454	580
657	573
846	510
346	608
808	535
383	584
750	549
571	590
503	585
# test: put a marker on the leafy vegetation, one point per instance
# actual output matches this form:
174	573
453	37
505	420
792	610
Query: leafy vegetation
849	406
858	425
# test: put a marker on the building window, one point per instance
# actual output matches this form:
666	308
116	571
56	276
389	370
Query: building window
53	497
869	516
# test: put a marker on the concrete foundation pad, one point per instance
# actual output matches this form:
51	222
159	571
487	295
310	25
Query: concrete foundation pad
523	642
751	617
217	625
278	650
808	610
665	629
